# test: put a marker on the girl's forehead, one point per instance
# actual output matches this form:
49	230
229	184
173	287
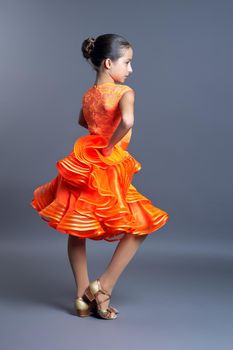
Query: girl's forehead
128	53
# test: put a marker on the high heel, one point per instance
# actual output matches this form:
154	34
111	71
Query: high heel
84	307
91	293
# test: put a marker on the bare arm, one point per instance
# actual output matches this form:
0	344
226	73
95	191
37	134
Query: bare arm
126	105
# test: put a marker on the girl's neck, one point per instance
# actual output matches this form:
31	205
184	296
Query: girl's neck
103	80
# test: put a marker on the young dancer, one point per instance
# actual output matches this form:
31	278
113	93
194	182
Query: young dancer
93	196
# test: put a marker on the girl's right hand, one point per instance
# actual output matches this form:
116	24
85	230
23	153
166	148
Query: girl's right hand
106	151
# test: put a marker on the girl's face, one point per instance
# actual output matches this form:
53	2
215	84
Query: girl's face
120	69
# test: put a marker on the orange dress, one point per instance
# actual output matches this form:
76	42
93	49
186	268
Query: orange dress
92	195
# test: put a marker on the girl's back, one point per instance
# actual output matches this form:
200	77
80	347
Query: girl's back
101	110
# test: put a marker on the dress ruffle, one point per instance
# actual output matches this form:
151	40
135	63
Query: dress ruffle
93	197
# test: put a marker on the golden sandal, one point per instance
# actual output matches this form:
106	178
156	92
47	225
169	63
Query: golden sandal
84	307
91	293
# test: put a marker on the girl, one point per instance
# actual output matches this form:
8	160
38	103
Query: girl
92	196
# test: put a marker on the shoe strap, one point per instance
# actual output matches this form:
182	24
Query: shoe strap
102	301
101	289
107	313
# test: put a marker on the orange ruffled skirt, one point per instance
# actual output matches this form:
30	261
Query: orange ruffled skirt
92	195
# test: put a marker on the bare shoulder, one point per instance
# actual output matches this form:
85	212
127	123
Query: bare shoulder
126	88
127	95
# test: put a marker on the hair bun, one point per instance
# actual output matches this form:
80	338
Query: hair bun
88	46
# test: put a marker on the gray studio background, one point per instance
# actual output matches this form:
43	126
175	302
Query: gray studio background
177	291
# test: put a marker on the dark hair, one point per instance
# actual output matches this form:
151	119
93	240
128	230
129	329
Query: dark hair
104	46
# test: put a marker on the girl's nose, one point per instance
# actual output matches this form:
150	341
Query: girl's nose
130	69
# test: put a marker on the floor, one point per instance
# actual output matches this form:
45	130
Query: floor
170	296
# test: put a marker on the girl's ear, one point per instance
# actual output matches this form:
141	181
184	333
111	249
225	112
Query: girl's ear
107	63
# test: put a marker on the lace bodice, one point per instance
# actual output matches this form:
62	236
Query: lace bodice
101	110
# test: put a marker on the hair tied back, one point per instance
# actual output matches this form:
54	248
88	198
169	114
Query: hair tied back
88	46
95	50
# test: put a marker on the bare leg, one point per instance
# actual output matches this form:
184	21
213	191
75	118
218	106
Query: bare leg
78	261
124	252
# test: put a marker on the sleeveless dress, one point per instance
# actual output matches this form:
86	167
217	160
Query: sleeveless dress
92	195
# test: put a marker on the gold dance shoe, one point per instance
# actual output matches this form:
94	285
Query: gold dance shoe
91	293
84	307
